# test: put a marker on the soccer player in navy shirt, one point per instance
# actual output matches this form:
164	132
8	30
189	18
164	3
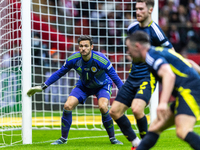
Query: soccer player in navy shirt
178	78
96	76
140	85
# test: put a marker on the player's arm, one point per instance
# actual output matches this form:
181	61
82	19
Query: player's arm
160	39
194	65
168	81
114	76
53	78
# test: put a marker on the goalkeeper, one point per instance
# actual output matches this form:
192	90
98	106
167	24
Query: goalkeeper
96	72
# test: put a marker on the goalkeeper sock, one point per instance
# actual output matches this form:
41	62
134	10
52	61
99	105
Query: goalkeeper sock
108	124
142	126
193	139
148	141
125	126
66	123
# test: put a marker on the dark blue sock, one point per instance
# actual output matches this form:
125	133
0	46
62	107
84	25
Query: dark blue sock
108	124
125	126
193	139
66	123
148	141
142	126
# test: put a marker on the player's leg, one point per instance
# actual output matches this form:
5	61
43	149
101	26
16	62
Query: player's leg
107	120
184	130
155	129
142	97
138	106
103	96
117	112
66	119
76	96
187	112
119	106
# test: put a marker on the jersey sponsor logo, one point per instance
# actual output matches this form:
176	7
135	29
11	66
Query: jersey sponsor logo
157	63
93	69
87	69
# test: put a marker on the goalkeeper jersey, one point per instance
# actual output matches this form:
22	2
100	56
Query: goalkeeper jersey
95	73
157	38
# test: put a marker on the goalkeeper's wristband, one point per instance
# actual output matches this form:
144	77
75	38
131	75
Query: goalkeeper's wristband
43	86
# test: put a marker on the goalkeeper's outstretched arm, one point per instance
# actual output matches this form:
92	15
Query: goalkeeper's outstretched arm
53	78
35	89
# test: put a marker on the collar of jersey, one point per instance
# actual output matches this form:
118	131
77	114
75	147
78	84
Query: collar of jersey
86	62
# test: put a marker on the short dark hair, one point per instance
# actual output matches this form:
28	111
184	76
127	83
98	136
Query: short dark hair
148	2
139	36
85	37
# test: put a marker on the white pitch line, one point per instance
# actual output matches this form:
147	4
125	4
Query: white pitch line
78	138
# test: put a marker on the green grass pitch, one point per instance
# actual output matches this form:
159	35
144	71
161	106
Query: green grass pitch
97	140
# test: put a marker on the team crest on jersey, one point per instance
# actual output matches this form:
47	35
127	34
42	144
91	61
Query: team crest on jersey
94	69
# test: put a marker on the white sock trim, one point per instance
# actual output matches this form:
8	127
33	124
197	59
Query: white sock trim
136	142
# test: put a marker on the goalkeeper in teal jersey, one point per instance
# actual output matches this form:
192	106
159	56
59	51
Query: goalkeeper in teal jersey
178	78
96	76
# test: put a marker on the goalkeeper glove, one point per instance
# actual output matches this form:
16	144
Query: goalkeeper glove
35	89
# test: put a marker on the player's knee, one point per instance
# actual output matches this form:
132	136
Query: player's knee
68	107
136	111
112	112
103	108
180	132
115	113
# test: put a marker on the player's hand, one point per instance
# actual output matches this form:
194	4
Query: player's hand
33	90
162	111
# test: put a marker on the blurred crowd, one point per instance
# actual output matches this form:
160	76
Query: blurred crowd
180	20
107	21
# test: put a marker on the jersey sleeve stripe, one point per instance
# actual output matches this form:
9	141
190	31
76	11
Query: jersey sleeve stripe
165	44
74	56
101	59
149	59
158	32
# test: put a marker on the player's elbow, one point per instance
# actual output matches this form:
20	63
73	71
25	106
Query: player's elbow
172	76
